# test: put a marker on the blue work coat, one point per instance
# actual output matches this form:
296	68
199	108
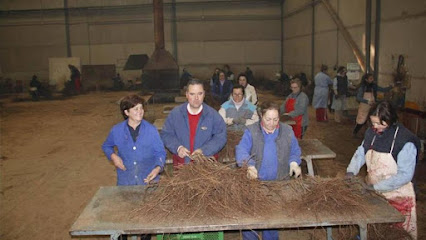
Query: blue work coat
210	135
139	157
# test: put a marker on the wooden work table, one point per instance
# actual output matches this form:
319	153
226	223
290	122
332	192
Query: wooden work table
314	149
109	211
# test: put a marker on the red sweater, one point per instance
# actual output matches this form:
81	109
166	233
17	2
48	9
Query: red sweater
193	123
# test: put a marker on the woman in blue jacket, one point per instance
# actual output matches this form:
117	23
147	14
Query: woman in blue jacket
141	154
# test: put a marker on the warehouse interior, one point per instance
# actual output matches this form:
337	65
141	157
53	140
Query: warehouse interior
51	161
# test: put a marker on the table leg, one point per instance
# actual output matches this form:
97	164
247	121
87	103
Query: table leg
329	233
363	231
115	236
310	166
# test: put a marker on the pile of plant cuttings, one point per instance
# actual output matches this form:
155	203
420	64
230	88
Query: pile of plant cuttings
209	189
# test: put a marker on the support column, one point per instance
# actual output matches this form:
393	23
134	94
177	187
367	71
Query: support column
367	35
67	28
377	40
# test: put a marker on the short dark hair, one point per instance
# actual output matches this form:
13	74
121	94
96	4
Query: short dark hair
194	81
341	69
268	105
386	112
365	77
324	67
297	81
238	86
242	75
130	101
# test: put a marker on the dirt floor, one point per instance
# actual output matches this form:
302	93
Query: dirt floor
52	163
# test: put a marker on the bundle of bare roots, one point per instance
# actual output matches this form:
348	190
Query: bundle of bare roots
227	154
207	189
378	231
330	196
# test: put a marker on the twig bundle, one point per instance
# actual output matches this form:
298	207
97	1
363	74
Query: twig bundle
378	231
233	139
387	232
331	196
206	189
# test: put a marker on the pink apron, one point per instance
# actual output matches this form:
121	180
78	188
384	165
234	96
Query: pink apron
381	166
364	108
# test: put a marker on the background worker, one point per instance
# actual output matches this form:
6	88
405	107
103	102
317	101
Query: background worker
320	100
390	151
367	97
193	127
295	107
249	91
238	112
271	151
340	90
222	88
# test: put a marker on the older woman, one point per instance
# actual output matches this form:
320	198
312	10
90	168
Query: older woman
390	151
271	151
296	107
141	154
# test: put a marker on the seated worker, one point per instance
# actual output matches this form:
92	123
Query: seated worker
193	127
249	91
222	88
271	151
390	151
295	107
238	112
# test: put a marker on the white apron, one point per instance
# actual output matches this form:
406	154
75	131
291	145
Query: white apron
381	166
364	108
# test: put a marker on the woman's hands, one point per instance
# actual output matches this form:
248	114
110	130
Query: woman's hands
152	174
118	162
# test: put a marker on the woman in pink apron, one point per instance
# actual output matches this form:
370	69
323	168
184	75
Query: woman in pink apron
366	96
390	151
296	108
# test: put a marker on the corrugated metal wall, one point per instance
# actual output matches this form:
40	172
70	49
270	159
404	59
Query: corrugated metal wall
212	33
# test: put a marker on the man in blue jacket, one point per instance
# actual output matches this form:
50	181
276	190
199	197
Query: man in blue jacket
193	127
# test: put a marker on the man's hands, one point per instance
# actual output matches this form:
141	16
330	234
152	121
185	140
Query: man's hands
117	161
152	174
252	172
295	170
183	152
197	151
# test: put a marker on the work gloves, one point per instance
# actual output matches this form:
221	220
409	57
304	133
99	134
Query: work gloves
229	121
351	179
251	172
239	120
295	169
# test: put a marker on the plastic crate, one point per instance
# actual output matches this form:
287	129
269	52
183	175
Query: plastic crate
192	236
